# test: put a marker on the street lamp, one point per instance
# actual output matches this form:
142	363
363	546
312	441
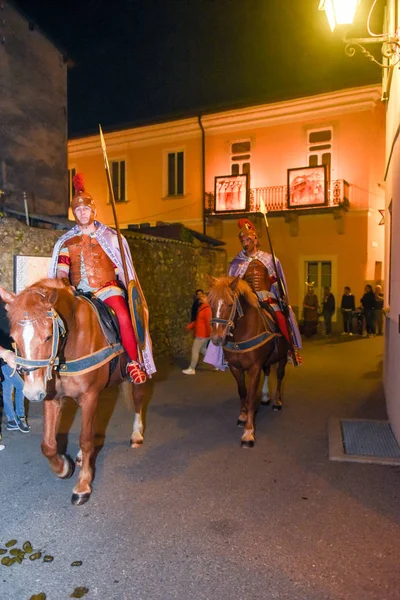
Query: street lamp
339	12
342	12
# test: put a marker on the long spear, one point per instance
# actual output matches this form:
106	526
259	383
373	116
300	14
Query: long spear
284	300
282	291
112	197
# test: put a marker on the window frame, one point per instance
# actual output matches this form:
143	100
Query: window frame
320	153
166	187
113	161
240	163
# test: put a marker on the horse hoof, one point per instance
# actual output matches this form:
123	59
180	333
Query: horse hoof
265	401
70	470
136	443
79	499
277	407
247	444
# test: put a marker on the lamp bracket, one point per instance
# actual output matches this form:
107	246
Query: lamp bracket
390	48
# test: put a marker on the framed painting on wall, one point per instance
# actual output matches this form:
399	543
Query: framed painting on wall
307	186
28	270
231	194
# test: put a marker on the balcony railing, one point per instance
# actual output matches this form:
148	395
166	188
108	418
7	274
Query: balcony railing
276	199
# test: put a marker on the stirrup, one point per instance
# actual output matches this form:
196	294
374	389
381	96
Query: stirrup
136	372
298	359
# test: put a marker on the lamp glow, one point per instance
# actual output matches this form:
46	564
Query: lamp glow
339	12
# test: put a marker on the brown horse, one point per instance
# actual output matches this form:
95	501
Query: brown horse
251	343
57	336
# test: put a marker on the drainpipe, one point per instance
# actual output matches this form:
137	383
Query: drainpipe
203	171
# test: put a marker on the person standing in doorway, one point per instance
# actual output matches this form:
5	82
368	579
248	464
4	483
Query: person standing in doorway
310	312
368	303
328	309
379	300
348	308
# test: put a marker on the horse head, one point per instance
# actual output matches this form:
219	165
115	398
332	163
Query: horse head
224	298
36	329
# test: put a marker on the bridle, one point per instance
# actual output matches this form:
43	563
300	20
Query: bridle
28	365
230	323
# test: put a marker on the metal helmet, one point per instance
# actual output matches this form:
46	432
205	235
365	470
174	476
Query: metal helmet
246	227
81	197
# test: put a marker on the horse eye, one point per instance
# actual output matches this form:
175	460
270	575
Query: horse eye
48	338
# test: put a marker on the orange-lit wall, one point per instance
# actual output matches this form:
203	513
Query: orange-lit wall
145	173
352	241
392	227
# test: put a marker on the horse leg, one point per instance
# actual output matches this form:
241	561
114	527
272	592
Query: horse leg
280	373
60	464
241	384
83	488
265	397
137	431
248	436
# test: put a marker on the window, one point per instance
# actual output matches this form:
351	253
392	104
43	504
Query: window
319	273
175	173
240	157
71	175
319	149
118	169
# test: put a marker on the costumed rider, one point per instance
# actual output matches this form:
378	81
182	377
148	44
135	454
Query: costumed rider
89	256
257	268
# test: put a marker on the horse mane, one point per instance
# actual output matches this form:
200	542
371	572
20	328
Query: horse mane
222	290
33	302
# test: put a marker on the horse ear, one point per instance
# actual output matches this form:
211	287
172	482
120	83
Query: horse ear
7	297
211	279
233	284
52	297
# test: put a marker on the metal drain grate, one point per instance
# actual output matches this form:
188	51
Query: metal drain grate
369	438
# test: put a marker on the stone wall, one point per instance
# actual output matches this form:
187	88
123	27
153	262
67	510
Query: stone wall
33	108
169	272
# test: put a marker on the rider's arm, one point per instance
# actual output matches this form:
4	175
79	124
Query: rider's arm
8	356
63	264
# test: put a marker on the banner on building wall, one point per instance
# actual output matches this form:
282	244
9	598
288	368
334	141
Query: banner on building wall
28	270
231	194
307	186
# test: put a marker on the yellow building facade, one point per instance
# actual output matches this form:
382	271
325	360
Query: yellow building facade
166	173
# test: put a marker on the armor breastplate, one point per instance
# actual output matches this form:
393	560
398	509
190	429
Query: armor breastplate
257	276
87	256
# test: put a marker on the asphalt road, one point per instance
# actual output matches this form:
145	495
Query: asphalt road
191	515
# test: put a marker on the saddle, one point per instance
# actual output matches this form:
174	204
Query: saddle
107	319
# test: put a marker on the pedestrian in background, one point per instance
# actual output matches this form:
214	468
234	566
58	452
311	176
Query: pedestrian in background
368	304
328	309
379	300
310	312
348	307
12	384
202	331
196	303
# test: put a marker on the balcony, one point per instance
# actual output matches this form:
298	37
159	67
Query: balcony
276	200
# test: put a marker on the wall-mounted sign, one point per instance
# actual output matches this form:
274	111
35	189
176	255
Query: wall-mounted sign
307	186
231	194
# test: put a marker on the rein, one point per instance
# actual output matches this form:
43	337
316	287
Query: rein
71	367
230	323
246	345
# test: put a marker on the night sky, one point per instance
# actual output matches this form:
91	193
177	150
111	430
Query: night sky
142	61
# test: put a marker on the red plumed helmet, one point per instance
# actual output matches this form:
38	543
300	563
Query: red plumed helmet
78	183
81	197
246	227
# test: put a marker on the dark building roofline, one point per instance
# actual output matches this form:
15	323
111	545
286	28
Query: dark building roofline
32	23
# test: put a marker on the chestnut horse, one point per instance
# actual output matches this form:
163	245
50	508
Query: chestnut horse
57	339
251	342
